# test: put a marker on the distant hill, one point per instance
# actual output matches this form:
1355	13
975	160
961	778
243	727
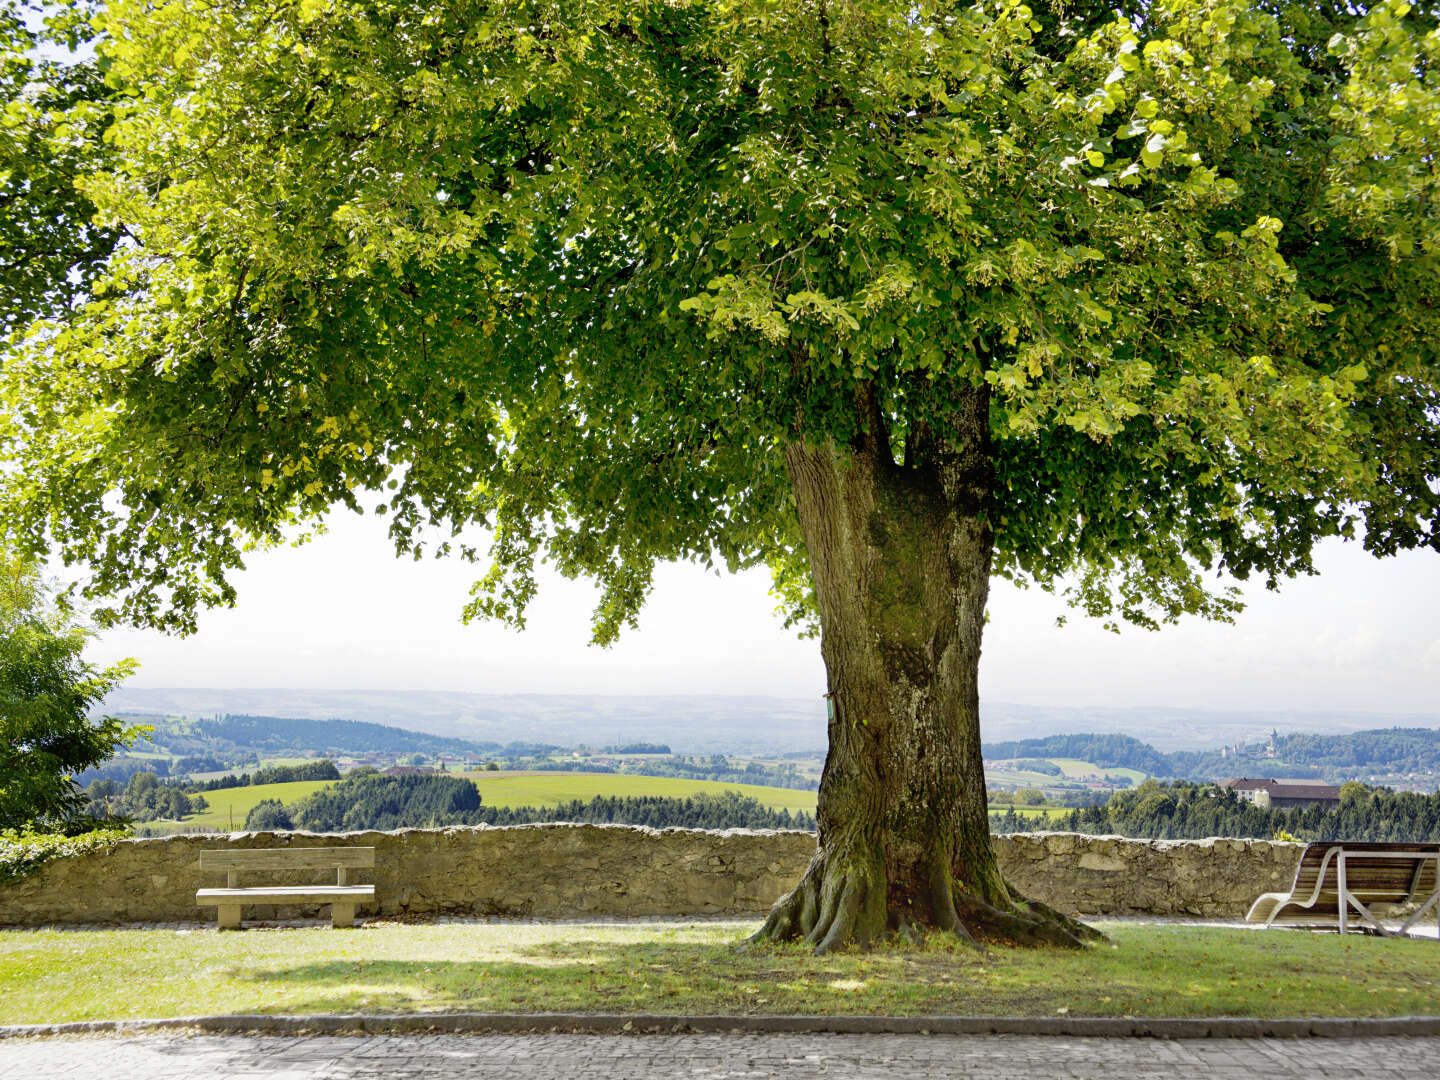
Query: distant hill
1397	756
726	724
1386	754
1107	751
273	735
209	744
688	724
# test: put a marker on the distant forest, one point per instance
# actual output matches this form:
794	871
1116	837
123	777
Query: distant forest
369	800
1389	751
277	736
1188	811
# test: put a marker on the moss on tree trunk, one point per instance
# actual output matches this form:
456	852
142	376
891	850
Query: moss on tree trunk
900	558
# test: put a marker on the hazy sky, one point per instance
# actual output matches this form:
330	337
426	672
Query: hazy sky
343	612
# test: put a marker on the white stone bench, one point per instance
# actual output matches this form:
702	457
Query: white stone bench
342	896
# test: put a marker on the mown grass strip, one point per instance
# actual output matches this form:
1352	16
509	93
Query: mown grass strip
695	969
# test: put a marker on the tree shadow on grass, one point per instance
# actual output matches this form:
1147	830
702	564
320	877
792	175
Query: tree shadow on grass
586	976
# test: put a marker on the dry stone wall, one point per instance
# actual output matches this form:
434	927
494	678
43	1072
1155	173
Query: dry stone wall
576	871
542	871
1112	875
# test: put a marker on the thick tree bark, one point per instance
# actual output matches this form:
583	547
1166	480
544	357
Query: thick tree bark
900	557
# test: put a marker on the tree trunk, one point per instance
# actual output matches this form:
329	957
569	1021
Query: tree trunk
900	558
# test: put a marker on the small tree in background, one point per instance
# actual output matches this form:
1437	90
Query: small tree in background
46	693
268	815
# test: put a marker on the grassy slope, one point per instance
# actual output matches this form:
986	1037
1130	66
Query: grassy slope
232	804
553	788
49	976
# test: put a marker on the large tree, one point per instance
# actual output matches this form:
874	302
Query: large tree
888	296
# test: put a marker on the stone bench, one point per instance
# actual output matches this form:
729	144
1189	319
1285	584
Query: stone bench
342	896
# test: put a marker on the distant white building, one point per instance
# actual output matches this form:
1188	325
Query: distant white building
1282	793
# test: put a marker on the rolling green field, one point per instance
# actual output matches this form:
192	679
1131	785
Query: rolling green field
228	806
553	788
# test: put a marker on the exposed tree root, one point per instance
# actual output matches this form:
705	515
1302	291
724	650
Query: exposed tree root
1083	931
839	903
1017	925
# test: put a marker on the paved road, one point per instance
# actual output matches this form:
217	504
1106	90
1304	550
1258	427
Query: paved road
712	1057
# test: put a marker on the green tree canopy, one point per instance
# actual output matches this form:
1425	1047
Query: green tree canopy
46	693
886	296
50	248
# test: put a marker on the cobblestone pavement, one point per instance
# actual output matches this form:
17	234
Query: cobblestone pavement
712	1057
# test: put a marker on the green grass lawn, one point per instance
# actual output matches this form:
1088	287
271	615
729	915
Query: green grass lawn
385	967
553	788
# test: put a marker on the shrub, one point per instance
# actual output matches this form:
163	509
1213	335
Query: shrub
23	853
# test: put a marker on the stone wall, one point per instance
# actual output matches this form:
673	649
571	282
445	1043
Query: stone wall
1110	875
570	871
545	871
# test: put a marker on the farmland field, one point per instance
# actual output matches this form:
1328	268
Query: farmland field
553	788
1073	767
1043	813
228	806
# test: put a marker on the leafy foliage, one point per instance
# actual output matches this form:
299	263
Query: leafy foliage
579	272
145	797
46	693
268	814
23	851
52	114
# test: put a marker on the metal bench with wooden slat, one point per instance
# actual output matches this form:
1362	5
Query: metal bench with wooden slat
1336	879
342	897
